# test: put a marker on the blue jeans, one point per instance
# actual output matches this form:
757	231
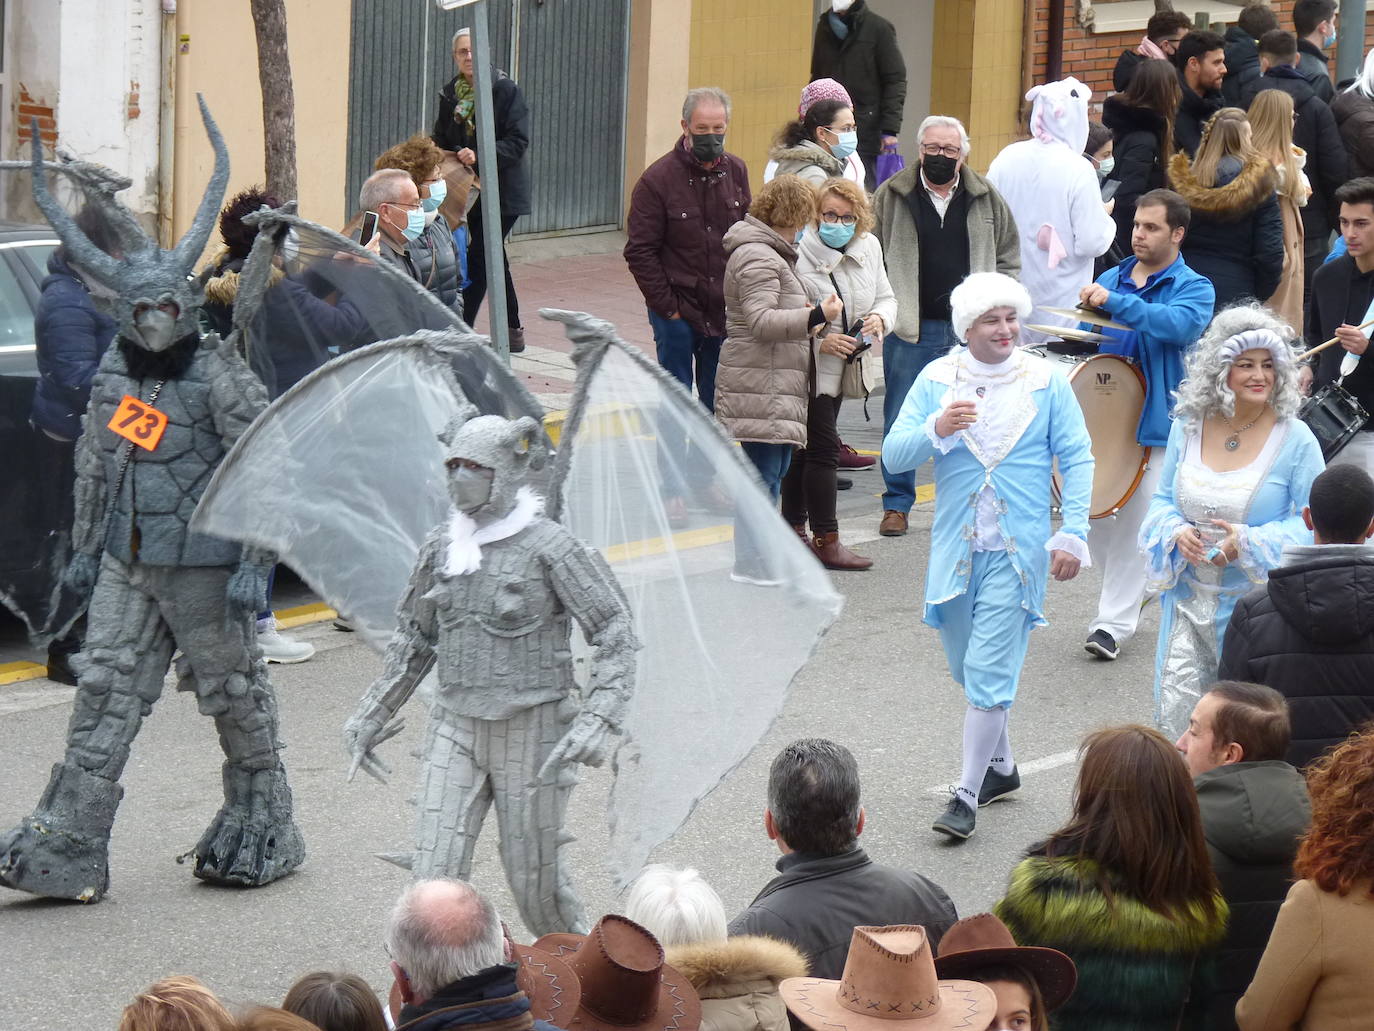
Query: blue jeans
902	363
691	359
771	460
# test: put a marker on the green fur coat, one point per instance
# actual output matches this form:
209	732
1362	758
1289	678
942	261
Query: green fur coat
1138	970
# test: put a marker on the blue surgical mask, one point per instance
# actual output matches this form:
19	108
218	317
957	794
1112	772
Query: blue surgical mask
415	224
836	235
845	143
437	192
1105	166
798	238
1329	41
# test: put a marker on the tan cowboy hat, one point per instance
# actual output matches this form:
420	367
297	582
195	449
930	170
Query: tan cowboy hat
626	986
984	941
550	984
889	983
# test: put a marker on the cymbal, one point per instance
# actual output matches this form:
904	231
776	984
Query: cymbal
1091	315
1070	333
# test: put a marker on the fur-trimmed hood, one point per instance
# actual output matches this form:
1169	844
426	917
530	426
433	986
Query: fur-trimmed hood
221	279
721	970
808	153
1237	193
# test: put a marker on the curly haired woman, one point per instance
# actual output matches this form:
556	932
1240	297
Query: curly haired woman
1315	971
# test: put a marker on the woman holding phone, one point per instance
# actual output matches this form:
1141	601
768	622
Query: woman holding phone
838	254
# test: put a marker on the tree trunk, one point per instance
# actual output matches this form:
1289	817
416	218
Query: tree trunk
278	97
1164	5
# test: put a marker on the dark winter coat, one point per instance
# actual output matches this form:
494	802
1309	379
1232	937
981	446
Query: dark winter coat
1137	969
512	139
1235	237
303	326
1252	816
679	215
1137	138
1340	292
1125	68
1316	132
868	63
815	903
1354	114
71	334
1309	634
1194	111
1242	65
488	998
1316	66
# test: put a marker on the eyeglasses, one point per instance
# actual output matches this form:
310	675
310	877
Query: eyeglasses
830	218
844	128
930	150
403	207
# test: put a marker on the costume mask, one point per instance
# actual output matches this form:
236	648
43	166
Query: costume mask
470	489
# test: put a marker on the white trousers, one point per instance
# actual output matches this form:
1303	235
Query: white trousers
1115	550
1360	451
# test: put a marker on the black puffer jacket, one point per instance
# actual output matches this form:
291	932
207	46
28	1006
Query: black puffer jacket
1137	138
436	263
1316	132
1252	816
1242	65
1194	111
1354	114
1235	238
867	63
512	132
1309	634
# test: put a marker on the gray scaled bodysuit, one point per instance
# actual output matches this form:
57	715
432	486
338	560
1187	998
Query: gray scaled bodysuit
158	586
491	603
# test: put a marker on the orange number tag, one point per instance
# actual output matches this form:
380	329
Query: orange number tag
139	423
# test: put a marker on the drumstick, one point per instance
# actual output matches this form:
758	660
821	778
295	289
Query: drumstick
1333	340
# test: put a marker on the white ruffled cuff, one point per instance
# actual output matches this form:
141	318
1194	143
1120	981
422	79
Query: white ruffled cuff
944	444
1075	546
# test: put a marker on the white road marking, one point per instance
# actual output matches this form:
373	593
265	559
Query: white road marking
1041	765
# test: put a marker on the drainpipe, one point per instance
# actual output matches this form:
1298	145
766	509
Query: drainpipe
166	124
1350	41
1054	45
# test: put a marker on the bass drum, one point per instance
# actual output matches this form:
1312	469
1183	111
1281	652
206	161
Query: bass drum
1111	391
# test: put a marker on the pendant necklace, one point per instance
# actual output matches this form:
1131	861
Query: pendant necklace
1233	441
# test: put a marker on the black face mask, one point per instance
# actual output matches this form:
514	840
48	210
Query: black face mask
938	168
708	146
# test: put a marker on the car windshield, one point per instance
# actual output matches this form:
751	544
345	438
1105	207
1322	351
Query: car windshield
16	314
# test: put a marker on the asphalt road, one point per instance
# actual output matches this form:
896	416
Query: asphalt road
878	683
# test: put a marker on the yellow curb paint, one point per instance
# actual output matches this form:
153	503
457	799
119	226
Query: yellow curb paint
300	615
687	539
17	672
925	492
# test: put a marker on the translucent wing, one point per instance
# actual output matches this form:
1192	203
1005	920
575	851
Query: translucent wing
342	477
719	657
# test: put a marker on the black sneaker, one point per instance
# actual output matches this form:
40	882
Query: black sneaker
957	820
843	483
1102	644
998	785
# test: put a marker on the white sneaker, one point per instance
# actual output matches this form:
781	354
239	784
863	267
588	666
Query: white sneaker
278	647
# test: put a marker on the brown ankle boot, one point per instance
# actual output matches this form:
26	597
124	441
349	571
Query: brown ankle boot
834	555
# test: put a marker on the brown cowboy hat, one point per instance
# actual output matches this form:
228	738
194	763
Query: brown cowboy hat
626	986
550	984
889	983
984	941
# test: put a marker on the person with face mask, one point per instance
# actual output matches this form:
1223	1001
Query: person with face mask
858	49
816	146
431	254
1314	23
937	221
680	210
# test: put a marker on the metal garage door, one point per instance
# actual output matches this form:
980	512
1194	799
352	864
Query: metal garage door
570	58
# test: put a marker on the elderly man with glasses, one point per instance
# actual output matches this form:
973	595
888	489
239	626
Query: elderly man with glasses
938	221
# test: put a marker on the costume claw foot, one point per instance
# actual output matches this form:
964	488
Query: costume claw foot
62	851
252	840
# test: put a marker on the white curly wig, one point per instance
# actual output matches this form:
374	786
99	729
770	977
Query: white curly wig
1242	327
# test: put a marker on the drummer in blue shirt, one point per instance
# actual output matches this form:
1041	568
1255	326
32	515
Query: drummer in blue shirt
1167	305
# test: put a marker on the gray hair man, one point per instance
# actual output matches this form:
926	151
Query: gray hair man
826	884
392	194
679	212
937	221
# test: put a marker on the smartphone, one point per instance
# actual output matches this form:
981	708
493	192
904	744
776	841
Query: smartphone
863	343
1109	188
369	228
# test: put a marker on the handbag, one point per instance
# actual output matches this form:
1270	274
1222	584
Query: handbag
860	375
889	163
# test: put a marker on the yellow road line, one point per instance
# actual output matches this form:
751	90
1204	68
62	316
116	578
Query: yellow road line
15	672
925	492
300	615
702	538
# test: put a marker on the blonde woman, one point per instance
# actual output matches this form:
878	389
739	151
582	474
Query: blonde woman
1271	129
1236	235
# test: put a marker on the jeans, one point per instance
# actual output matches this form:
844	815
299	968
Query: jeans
771	460
690	358
808	489
902	363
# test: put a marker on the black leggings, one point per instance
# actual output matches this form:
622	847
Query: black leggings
808	489
477	269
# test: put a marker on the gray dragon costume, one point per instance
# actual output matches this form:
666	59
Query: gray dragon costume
155	584
409	482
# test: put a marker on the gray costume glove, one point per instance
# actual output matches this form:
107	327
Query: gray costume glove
363	733
81	573
588	741
247	587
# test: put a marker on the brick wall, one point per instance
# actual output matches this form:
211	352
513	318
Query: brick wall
28	109
1091	56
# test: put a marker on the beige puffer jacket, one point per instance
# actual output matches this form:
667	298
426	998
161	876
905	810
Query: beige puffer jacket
762	383
737	981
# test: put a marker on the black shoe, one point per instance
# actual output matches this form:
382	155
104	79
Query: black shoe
998	785
60	668
843	483
515	335
1102	644
957	820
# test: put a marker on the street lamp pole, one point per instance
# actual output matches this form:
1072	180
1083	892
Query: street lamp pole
1350	41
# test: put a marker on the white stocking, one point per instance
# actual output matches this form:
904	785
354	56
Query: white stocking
1002	761
982	730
